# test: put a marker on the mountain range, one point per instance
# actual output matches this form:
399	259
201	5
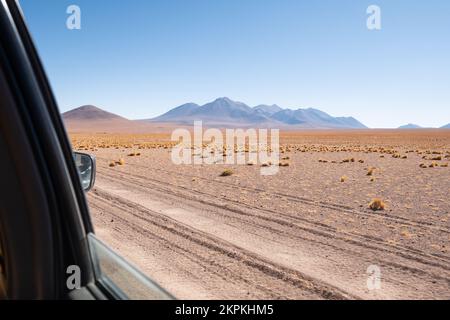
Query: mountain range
410	126
222	112
226	112
416	126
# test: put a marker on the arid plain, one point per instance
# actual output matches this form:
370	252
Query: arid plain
305	233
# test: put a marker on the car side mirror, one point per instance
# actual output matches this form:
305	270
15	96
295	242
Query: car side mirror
85	164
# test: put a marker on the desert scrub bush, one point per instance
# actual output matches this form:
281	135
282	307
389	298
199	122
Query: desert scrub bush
370	171
377	204
405	233
112	164
444	165
423	165
433	164
344	178
121	162
283	164
226	173
250	163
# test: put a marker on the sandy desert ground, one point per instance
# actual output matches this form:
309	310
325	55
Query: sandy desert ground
305	233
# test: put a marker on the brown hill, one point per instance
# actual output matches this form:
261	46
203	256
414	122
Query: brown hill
91	119
90	113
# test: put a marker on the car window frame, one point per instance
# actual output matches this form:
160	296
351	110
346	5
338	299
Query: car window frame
74	217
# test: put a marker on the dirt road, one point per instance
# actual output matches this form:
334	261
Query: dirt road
203	238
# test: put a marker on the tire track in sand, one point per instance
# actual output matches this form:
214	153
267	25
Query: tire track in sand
225	263
147	186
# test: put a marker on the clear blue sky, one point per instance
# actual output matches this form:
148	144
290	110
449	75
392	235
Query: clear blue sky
142	58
